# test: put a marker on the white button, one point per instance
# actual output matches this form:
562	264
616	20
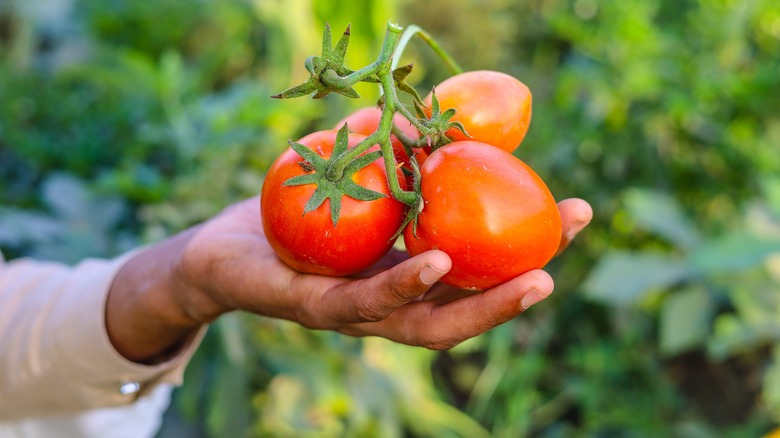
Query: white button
128	388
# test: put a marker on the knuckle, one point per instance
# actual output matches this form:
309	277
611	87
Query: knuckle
440	344
437	342
368	311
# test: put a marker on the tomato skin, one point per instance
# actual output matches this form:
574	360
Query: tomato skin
494	107
366	120
309	243
490	212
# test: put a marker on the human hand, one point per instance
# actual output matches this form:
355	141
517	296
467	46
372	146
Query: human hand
165	292
229	265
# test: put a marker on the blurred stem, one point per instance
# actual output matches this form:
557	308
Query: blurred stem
407	36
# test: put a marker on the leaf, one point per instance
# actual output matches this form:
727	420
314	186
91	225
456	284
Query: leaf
18	227
66	195
733	252
685	320
771	383
661	214
624	277
733	336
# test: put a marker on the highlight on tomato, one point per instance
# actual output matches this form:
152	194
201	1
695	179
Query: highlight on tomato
302	223
494	107
489	211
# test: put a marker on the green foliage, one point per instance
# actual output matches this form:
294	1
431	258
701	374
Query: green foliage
118	128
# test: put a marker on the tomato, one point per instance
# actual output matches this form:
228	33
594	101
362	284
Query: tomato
309	242
366	120
495	108
490	212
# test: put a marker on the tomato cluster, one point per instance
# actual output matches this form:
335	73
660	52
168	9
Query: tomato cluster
489	211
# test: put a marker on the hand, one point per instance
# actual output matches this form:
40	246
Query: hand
226	264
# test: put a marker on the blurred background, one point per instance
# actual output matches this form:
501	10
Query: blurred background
123	122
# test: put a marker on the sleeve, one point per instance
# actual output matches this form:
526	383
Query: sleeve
55	354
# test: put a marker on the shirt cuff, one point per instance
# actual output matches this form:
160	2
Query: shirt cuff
65	360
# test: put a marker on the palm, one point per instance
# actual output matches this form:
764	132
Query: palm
230	260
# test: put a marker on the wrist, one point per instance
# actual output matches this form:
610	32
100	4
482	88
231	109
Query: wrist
189	284
150	311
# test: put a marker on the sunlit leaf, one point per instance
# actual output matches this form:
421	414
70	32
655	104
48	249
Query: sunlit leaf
685	320
625	277
661	214
733	252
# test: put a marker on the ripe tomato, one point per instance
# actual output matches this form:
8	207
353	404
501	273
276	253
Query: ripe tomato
490	212
495	108
309	242
366	120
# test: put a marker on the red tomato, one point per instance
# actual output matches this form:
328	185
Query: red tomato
490	212
309	242
495	108
366	120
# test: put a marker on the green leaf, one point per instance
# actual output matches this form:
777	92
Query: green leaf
625	277
733	252
685	320
661	214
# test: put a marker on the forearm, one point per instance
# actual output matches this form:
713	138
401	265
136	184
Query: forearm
150	310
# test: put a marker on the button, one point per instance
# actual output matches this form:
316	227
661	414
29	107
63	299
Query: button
128	388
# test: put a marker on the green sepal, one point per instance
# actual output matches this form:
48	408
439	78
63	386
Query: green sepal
356	191
363	161
317	198
304	89
348	92
342	141
333	190
399	78
307	154
341	47
440	123
301	180
418	108
331	62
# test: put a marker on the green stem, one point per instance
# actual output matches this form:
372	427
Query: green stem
408	143
385	127
413	30
382	135
388	46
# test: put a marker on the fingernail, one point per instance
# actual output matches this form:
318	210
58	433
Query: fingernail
430	275
578	226
531	298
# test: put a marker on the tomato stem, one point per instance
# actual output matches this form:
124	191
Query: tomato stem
413	30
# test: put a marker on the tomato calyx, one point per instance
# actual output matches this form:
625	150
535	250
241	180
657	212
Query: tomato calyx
328	189
399	79
439	123
328	74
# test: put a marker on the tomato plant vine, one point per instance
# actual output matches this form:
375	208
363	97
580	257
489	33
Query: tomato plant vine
328	74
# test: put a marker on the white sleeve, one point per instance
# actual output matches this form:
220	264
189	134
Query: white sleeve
55	354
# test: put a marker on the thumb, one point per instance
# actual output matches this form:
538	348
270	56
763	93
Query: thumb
374	298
